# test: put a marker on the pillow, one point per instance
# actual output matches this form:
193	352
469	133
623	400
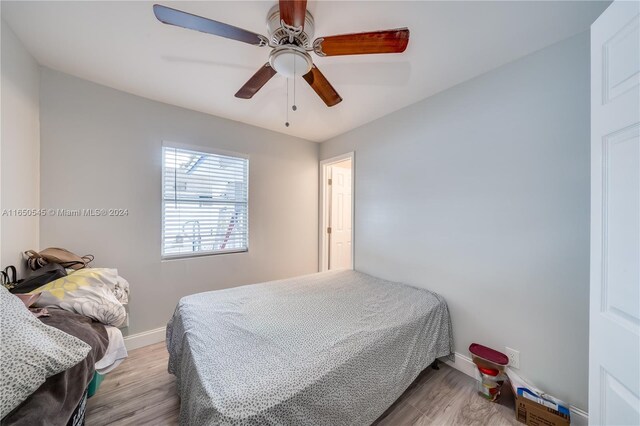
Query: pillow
30	352
118	285
86	292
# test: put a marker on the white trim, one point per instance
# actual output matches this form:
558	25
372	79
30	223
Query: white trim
183	256
146	338
463	364
578	417
204	148
324	212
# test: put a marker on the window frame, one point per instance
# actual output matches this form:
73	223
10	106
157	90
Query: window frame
206	150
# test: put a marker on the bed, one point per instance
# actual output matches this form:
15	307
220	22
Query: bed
332	348
60	400
54	354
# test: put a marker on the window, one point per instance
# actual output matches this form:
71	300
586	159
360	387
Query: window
204	203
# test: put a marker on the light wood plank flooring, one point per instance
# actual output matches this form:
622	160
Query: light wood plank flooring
141	392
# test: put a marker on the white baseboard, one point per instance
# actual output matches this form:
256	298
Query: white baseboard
465	365
146	338
578	417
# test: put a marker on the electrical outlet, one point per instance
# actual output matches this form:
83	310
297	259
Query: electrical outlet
514	357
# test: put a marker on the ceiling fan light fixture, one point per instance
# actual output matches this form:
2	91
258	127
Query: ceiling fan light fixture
291	28
290	61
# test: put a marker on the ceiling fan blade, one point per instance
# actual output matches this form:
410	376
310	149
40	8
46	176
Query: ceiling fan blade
293	12
182	19
256	82
388	41
322	87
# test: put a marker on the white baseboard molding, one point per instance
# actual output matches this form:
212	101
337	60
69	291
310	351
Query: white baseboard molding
578	417
146	338
464	364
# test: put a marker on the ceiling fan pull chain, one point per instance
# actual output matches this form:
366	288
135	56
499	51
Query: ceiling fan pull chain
294	107
286	123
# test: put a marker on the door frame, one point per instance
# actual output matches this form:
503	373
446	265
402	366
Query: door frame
323	238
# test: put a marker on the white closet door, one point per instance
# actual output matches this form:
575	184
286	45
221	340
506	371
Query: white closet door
614	340
340	251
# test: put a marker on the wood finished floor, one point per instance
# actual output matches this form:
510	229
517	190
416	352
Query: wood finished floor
141	392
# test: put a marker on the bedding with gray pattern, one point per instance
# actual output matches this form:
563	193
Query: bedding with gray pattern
332	348
30	352
61	396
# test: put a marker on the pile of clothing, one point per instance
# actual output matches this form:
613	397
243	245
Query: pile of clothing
59	346
61	279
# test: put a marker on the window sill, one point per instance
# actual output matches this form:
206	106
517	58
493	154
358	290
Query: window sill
185	256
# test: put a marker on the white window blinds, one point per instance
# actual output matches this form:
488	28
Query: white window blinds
204	203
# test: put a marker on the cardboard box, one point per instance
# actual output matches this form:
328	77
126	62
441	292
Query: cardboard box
533	414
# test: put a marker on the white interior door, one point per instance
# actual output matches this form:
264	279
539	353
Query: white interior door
614	336
340	217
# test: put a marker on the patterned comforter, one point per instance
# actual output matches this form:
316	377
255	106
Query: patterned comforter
332	348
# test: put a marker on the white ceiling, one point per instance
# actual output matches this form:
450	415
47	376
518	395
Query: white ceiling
122	45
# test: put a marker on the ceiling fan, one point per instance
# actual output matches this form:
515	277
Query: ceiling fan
291	28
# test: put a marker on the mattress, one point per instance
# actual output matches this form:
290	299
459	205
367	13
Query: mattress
332	348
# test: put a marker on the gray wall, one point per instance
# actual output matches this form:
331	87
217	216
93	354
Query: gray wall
481	193
101	148
19	149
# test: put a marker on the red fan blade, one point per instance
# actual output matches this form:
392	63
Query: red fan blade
322	87
389	41
293	12
256	82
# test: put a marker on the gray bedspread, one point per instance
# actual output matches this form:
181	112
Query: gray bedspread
333	348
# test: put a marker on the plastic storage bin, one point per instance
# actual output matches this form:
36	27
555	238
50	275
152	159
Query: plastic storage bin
490	383
491	365
95	384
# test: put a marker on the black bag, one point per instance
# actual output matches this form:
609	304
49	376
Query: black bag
35	279
8	277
